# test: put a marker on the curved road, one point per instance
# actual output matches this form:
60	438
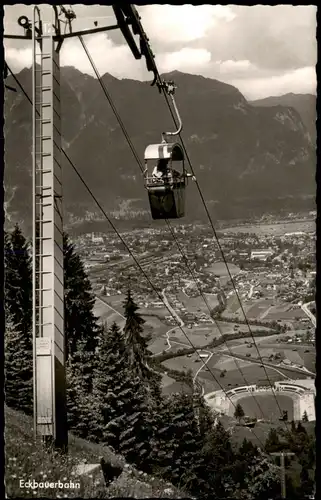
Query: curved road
182	324
306	310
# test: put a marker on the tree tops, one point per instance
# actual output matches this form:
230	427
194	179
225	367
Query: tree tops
18	279
80	321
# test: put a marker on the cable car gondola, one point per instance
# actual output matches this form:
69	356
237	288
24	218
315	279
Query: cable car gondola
166	185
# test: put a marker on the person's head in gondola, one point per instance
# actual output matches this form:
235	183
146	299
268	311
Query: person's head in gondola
162	165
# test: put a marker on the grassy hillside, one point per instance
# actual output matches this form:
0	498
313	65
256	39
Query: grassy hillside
25	460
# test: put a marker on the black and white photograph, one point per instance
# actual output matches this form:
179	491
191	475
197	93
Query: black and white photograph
160	251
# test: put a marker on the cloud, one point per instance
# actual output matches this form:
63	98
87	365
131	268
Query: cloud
263	50
300	81
182	23
108	57
18	59
184	60
234	66
274	37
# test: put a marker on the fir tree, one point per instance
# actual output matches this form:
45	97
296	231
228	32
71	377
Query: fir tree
162	440
186	442
293	427
218	459
136	344
244	459
18	280
176	443
80	322
263	479
272	443
203	414
248	450
79	374
121	417
18	368
239	412
300	429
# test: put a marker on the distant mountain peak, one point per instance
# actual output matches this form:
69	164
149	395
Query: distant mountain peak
243	155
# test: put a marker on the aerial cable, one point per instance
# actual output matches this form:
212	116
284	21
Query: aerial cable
134	258
140	165
111	103
170	85
218	244
209	309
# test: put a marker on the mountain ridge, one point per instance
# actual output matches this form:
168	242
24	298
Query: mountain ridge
242	154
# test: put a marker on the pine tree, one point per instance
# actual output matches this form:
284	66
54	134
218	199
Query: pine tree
239	412
136	346
244	459
272	443
18	334
248	450
121	417
79	371
161	443
263	479
305	417
80	322
18	368
300	429
203	414
186	442
218	459
133	330
18	280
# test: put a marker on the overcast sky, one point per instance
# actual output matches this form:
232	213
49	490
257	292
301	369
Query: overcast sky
262	50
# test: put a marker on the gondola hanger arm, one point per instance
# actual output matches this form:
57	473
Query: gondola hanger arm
170	87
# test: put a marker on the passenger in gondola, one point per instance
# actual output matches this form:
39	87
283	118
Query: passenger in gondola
160	170
176	175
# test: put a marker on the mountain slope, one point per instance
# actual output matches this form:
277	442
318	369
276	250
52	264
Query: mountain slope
23	455
244	156
304	104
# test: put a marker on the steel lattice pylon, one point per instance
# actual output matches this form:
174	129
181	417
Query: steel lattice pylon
48	280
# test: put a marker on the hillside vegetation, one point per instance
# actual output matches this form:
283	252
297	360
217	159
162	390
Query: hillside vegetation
27	460
118	415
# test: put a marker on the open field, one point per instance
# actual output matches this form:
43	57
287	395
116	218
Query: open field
106	314
154	326
256	308
275	314
199	336
233	304
158	345
228	328
184	363
159	312
219	269
268	404
229	364
166	380
110	309
274	229
197	304
295	353
175	387
309	359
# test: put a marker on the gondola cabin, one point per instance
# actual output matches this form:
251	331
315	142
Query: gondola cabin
165	180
